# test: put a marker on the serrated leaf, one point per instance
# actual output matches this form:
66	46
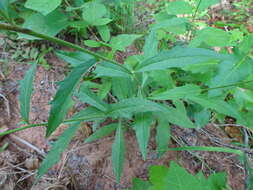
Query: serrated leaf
111	70
26	89
118	152
74	58
63	94
58	147
179	57
89	97
162	135
142	125
44	6
102	132
182	92
122	41
50	25
179	7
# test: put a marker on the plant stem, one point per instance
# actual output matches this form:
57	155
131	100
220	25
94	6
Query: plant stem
225	86
55	40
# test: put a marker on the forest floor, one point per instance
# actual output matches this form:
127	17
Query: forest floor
88	166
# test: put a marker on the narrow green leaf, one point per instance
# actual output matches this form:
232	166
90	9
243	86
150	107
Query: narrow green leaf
59	107
151	45
26	89
182	92
162	135
58	147
74	58
43	6
89	97
123	88
118	152
111	70
179	57
142	125
92	43
102	132
125	108
87	114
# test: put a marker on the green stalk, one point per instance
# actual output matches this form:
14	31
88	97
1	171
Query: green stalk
55	40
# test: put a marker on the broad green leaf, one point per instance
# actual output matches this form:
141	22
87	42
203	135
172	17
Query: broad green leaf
216	104
151	45
173	25
92	43
97	10
122	41
179	57
50	25
204	4
162	135
212	37
102	132
179	7
118	152
157	176
43	6
111	70
142	125
217	181
104	32
179	179
74	58
139	184
182	92
59	106
26	89
91	98
58	147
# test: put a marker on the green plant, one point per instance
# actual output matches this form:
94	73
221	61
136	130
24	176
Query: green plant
177	178
166	85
